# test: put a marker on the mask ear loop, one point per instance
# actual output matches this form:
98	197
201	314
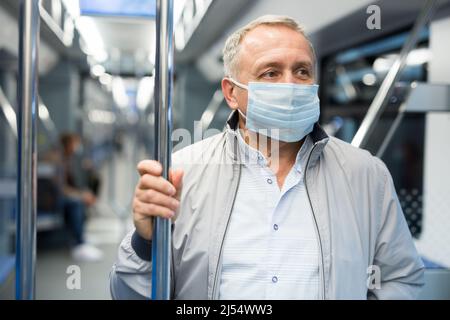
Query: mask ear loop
237	83
243	115
242	86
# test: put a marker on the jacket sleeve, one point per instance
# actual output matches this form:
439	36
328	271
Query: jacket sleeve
130	277
400	266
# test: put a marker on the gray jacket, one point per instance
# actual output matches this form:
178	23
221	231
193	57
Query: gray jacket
360	225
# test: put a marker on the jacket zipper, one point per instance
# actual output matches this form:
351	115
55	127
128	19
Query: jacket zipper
322	274
223	238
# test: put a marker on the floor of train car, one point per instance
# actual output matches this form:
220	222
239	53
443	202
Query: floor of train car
105	229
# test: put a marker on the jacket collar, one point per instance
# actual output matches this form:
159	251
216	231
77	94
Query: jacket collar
318	136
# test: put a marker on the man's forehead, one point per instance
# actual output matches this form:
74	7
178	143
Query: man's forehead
264	39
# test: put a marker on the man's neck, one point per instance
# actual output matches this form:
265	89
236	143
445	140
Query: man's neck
281	155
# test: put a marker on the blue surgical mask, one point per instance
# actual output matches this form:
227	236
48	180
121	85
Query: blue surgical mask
285	111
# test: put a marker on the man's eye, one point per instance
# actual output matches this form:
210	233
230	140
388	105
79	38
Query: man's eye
269	74
304	72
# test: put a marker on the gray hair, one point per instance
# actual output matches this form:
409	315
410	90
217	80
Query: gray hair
233	43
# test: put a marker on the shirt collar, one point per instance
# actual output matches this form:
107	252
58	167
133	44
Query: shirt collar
252	156
317	137
248	154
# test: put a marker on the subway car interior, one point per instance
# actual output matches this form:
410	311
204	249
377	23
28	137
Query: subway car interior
79	90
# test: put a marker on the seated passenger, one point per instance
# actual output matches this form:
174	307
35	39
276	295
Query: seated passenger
76	200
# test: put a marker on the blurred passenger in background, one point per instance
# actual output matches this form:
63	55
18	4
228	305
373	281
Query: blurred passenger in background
77	199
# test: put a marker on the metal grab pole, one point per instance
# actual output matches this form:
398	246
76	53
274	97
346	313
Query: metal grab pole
161	254
26	186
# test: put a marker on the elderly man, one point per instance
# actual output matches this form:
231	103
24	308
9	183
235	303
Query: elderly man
272	208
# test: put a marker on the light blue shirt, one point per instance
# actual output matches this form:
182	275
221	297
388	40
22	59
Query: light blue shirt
271	247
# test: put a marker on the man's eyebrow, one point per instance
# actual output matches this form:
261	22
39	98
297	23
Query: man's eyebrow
306	64
274	64
268	64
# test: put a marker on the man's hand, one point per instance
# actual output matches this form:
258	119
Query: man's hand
154	196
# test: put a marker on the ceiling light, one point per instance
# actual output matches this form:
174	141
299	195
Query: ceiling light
119	92
145	92
92	42
105	79
369	79
98	70
101	116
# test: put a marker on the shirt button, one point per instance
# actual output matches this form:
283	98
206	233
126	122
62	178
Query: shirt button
275	227
269	181
274	279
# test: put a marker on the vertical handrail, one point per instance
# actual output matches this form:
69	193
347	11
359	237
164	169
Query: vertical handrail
28	112
383	95
161	253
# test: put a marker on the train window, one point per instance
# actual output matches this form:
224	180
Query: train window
351	78
350	81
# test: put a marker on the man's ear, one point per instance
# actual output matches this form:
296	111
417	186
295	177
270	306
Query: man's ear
228	90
